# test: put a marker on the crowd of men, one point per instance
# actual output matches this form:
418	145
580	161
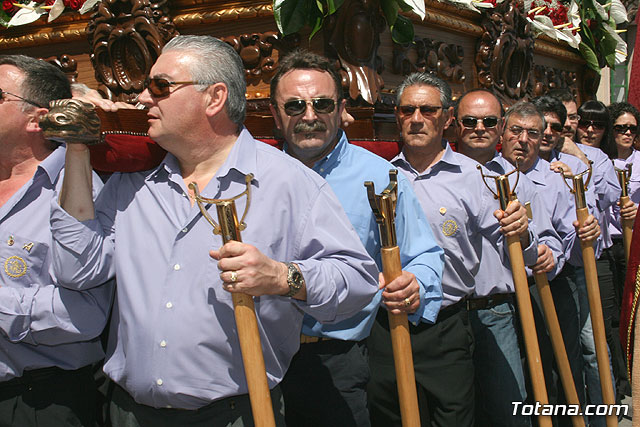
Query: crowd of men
310	254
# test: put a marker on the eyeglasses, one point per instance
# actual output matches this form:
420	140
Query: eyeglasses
555	126
573	117
299	106
159	87
625	128
4	92
425	110
531	133
472	122
596	124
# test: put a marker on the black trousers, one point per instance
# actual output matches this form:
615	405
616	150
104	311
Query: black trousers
443	362
326	385
233	411
49	397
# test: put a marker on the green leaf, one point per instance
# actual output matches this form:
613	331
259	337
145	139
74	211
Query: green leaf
390	10
590	56
334	5
4	18
291	15
402	5
402	30
320	7
316	26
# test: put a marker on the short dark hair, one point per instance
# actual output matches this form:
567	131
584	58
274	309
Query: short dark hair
616	110
301	59
43	82
562	95
597	111
478	90
549	104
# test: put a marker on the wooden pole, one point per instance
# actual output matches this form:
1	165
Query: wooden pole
248	333
627	229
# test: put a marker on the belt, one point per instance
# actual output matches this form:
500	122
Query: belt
452	309
308	339
490	301
35	376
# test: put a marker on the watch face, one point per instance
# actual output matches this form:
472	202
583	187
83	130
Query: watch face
296	277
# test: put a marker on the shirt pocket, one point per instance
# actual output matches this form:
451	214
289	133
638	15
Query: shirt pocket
22	261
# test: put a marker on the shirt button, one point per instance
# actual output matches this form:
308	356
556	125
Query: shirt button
163	343
176	267
184	230
169	304
159	381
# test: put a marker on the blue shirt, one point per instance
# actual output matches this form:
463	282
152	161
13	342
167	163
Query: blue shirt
346	169
460	207
498	274
173	340
43	324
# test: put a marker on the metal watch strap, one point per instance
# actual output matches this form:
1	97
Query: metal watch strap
294	285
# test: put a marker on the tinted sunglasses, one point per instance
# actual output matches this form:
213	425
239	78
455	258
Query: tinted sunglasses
556	127
531	133
472	122
4	92
425	110
159	87
319	105
625	128
573	117
594	123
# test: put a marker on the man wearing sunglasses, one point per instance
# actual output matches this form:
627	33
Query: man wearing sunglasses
499	377
307	105
462	212
49	336
174	350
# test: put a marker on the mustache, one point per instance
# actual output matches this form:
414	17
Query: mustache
315	126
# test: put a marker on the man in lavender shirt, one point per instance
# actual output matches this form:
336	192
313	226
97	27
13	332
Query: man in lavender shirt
173	351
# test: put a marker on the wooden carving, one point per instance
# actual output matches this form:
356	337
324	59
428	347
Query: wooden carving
67	64
548	78
504	57
126	37
436	57
257	52
352	37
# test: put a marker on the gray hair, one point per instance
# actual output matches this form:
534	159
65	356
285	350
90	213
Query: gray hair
215	62
524	109
426	79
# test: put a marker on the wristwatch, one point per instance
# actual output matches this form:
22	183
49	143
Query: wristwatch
294	279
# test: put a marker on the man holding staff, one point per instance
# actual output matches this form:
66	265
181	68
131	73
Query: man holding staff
461	211
174	351
307	105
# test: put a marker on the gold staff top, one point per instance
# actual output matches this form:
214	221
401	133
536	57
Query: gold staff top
384	208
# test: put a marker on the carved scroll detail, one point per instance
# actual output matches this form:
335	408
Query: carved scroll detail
126	37
440	58
548	78
257	52
504	57
67	64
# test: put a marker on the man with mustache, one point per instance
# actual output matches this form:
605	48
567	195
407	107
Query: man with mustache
330	370
462	212
499	377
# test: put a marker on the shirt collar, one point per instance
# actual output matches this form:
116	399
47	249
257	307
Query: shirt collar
448	158
334	157
54	163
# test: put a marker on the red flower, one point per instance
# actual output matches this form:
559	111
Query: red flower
8	7
49	2
76	4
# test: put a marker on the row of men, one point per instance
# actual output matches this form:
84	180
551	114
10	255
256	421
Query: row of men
310	253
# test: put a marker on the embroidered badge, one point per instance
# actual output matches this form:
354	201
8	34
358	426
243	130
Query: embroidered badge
449	227
443	211
10	242
27	247
15	267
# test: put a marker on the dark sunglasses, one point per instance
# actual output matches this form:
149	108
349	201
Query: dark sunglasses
556	127
425	110
472	122
595	123
159	87
319	105
625	128
4	92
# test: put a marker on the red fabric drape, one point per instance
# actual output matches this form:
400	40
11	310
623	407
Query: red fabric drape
634	78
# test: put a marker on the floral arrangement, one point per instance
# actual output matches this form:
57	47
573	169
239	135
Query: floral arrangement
21	12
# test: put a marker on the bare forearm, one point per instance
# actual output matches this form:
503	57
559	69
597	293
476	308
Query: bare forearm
76	195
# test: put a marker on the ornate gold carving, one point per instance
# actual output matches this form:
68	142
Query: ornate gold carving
70	120
231	14
442	59
504	57
126	37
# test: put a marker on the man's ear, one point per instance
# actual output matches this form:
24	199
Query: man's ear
218	94
33	125
276	116
449	117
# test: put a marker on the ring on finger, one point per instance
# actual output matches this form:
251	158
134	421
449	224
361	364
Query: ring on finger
234	276
407	302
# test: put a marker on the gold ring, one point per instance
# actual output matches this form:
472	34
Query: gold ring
234	276
407	302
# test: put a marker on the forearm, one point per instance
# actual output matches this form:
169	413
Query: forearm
76	195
